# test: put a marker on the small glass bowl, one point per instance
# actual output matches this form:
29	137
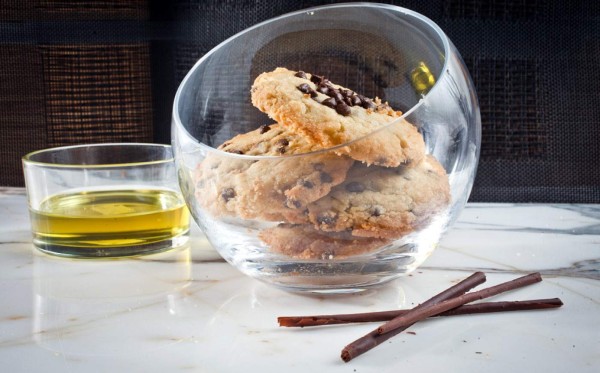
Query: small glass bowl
366	224
105	200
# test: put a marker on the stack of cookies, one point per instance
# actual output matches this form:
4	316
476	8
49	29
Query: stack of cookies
359	185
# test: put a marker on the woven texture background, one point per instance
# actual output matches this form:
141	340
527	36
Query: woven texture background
107	70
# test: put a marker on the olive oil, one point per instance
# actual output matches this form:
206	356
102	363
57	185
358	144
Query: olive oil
110	219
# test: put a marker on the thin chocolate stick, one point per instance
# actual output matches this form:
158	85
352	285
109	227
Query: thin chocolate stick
373	339
467	309
419	314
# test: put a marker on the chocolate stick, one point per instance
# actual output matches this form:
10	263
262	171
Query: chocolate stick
467	309
422	313
373	339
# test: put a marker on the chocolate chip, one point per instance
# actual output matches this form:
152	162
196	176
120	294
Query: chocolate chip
316	79
346	92
307	184
301	74
283	142
329	102
377	211
356	101
325	177
227	194
326	219
368	104
348	101
343	109
264	128
281	150
304	88
338	97
323	89
355	187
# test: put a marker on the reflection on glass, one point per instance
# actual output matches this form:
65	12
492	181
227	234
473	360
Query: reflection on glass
102	307
422	79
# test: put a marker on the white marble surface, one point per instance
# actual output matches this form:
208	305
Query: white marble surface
187	311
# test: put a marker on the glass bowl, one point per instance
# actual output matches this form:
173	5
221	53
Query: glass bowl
314	207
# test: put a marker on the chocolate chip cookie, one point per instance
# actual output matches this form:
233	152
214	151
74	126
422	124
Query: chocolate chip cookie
383	202
331	115
304	242
274	189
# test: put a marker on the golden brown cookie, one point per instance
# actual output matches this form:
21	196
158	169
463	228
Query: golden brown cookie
330	115
383	202
304	242
272	188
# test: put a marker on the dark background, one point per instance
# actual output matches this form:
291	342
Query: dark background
75	72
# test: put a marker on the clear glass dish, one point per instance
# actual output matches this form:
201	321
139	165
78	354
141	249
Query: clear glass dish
105	200
352	214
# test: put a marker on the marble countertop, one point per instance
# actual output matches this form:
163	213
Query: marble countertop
186	310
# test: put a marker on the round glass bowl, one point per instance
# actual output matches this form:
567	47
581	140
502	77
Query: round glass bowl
345	216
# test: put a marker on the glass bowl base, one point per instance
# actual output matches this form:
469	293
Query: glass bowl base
352	275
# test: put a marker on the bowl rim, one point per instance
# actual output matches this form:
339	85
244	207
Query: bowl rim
411	13
27	159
